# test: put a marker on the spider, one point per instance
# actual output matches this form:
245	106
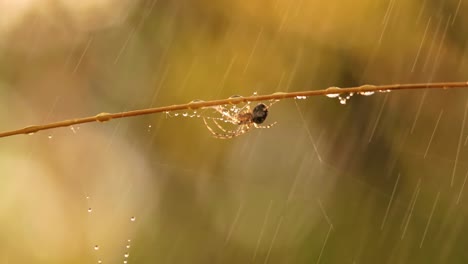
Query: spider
244	118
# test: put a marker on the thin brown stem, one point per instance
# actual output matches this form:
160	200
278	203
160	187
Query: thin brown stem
103	117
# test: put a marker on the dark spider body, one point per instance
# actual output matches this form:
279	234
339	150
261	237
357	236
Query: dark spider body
245	120
257	116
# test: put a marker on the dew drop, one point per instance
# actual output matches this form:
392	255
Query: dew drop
31	133
99	261
149	126
103	117
333	89
255	93
96	247
87	197
125	262
185	114
176	114
385	91
127	246
368	93
129	240
126	255
132	219
73	129
50	136
90	210
342	101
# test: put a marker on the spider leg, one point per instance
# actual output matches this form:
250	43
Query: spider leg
225	113
226	135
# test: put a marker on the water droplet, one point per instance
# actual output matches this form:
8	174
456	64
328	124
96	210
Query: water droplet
385	91
99	261
90	210
103	117
125	262
129	240
96	247
368	93
185	114
235	96
50	136
254	93
31	133
126	255
176	114
132	219
342	100
300	97
149	126
87	197
333	89
128	246
73	129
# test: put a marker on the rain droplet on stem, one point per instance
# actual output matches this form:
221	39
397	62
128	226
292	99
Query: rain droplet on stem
90	210
49	136
96	247
333	89
368	93
132	219
99	261
126	255
103	117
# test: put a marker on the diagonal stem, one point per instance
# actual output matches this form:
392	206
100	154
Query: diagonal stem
103	117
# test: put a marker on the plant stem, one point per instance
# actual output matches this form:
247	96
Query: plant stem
103	117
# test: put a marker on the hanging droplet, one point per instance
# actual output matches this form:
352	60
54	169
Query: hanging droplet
99	261
129	240
368	93
127	246
132	219
31	133
300	97
126	255
87	197
49	136
185	114
335	90
125	262
96	247
90	210
342	100
385	91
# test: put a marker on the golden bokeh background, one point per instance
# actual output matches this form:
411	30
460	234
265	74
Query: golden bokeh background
378	180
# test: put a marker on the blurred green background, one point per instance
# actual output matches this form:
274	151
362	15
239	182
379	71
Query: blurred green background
378	180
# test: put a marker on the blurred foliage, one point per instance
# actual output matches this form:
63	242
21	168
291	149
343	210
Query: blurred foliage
264	197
